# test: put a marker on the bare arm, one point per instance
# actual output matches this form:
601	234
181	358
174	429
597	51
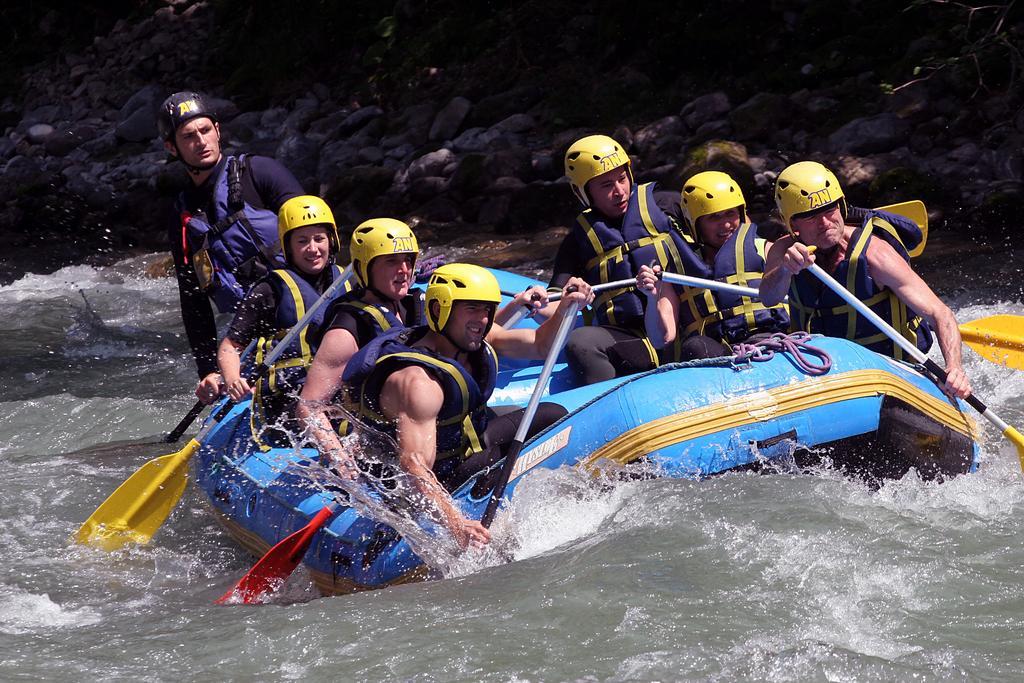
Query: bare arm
662	311
537	307
322	381
785	258
890	270
534	344
228	353
414	399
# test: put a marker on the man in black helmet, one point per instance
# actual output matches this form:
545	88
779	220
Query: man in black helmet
224	231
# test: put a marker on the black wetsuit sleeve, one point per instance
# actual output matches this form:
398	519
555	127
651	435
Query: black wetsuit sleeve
255	315
347	320
270	184
567	264
196	310
668	202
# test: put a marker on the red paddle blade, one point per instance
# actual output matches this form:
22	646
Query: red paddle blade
272	571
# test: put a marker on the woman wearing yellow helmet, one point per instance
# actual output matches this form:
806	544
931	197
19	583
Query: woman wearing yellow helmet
715	215
274	304
877	271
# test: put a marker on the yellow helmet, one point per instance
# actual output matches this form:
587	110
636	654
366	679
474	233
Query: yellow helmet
591	156
302	211
710	192
379	237
459	282
806	187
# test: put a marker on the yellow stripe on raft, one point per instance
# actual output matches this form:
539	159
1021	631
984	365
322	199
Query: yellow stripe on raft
785	400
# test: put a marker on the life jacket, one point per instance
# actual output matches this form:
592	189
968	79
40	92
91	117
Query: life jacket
816	308
294	295
236	246
379	318
731	318
647	237
463	416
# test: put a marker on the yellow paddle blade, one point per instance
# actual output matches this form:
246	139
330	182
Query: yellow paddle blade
138	507
998	338
1018	440
915	211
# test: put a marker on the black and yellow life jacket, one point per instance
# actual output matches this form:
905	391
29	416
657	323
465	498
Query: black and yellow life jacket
294	296
816	308
463	416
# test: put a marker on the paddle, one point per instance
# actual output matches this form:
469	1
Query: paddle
138	507
531	408
524	310
997	338
1009	432
269	574
187	421
713	285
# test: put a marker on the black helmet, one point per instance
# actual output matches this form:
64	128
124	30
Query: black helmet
179	109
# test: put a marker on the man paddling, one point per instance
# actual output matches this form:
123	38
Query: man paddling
869	257
428	387
223	233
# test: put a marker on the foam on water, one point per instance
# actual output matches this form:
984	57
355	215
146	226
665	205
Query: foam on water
24	612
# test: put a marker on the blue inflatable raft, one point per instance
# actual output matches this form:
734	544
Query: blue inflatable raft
868	414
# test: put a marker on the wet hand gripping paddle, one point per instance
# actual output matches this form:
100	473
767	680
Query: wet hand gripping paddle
139	506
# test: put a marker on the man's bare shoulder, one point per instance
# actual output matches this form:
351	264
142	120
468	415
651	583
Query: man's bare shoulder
412	391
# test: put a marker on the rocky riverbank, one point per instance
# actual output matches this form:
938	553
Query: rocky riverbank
83	170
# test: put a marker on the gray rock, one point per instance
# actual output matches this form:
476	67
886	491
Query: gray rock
101	145
704	109
449	120
515	162
306	111
300	155
226	110
335	158
327	127
38	132
358	119
517	123
370	155
22	170
271	121
425	188
480	139
242	127
719	128
41	114
137	116
494	211
6	147
652	134
401	152
431	164
63	141
966	154
870	134
505	185
760	114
